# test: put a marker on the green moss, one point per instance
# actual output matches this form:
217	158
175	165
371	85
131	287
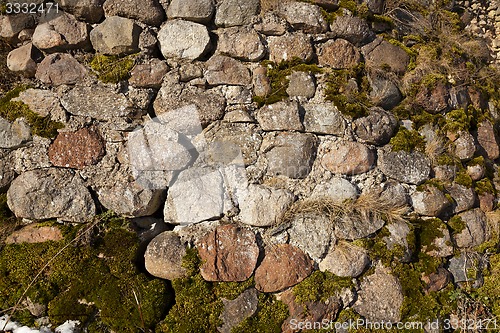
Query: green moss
431	182
477	161
447	159
319	286
458	120
412	54
489	293
463	178
428	231
484	186
456	224
41	126
112	69
270	315
407	140
231	290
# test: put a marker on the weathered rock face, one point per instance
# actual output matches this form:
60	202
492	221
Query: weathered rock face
226	70
301	84
323	119
290	45
163	256
237	310
380	52
475	229
345	259
384	91
460	267
99	102
236	12
337	189
303	16
77	149
289	154
430	202
411	168
116	35
352	29
439	245
433	100
59	32
464	197
198	194
380	297
7	174
311	234
281	116
338	54
488	140
242	43
60	68
21	60
348	158
229	253
438	280
148	11
271	25
465	146
88	10
148	75
283	266
377	128
50	193
12	25
263	206
355	227
183	39
200	11
14	134
34	234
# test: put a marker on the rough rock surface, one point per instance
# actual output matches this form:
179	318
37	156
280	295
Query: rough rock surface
430	202
147	11
34	233
50	193
288	46
280	116
60	68
163	256
380	52
380	297
183	39
21	60
289	154
148	75
301	84
226	70
323	119
303	16
345	259
59	32
348	158
200	11
339	54
237	310
14	134
377	128
411	168
352	29
336	189
488	140
229	253
241	43
475	230
263	206
354	227
116	35
236	12
283	266
310	233
88	10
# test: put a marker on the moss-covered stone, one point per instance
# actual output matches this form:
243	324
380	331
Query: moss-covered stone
10	110
111	68
319	286
463	178
458	120
489	293
407	140
484	186
456	224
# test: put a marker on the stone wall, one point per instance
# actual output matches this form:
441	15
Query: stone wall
354	144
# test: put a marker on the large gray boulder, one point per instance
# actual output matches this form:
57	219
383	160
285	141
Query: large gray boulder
303	16
183	39
50	193
116	36
407	167
146	11
236	12
200	11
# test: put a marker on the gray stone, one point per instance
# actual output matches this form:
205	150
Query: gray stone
43	102
32	156
60	68
381	53
163	256
289	154
465	198
311	233
200	11
384	92
475	231
99	102
241	42
22	60
354	225
261	83
290	45
146	11
236	12
462	266
411	168
440	245
225	70
183	39
50	193
338	54
301	84
7	174
430	202
352	29
323	118
237	310
345	259
198	194
86	10
60	32
263	206
280	116
380	297
271	24
377	128
464	146
15	134
348	158
303	16
398	239
336	189
12	25
116	36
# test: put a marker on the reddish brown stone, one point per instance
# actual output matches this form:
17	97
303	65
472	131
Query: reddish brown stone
338	54
488	140
77	149
436	281
229	253
486	202
433	100
349	158
148	75
283	266
35	234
